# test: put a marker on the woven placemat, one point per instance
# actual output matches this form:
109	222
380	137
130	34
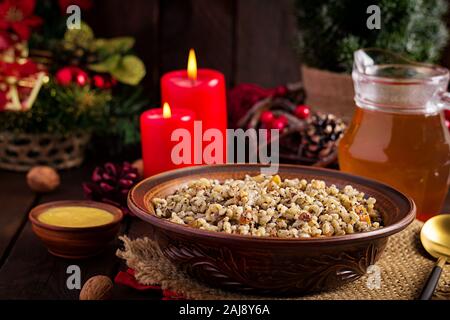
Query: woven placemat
404	268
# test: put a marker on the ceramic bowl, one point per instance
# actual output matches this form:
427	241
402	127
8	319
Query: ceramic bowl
268	265
75	243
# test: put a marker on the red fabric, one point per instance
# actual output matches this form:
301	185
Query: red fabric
127	279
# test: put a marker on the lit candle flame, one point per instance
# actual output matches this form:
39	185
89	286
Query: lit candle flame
167	113
192	65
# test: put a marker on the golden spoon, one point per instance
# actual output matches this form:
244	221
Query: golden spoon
435	238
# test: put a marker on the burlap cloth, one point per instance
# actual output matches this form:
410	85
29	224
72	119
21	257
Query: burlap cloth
404	268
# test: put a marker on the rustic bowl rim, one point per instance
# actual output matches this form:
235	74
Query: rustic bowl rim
39	209
147	216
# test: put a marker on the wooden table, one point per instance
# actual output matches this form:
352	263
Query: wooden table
27	270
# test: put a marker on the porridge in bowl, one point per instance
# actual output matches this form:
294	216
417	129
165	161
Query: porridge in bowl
266	205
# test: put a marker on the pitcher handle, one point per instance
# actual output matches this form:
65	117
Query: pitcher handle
444	100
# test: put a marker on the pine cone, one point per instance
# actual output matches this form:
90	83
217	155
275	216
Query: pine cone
319	137
110	184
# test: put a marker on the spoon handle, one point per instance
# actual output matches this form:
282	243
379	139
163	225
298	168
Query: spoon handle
433	280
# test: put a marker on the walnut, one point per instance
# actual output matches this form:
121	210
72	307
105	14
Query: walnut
97	288
43	179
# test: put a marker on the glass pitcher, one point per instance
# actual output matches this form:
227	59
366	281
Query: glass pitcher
398	133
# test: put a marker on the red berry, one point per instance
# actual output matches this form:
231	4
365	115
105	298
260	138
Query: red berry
267	117
99	81
447	124
279	123
283	119
447	114
302	111
67	75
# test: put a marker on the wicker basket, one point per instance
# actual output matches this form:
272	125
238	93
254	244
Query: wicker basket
20	152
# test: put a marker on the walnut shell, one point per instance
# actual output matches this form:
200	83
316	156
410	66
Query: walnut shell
97	288
43	179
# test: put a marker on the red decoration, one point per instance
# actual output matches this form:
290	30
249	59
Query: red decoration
244	96
127	278
81	78
99	81
283	119
447	124
302	111
280	91
267	118
103	81
18	70
64	76
68	75
17	16
279	123
6	41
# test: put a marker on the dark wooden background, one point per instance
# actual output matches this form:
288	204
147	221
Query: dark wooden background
247	40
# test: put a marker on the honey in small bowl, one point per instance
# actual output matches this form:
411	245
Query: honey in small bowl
75	217
76	229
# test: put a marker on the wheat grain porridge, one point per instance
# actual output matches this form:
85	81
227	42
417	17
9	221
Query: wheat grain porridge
266	205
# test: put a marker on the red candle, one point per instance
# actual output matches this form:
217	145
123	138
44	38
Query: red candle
157	127
202	91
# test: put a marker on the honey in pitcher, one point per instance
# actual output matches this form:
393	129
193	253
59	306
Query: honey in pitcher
410	152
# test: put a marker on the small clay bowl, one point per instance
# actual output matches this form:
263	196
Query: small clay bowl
268	265
75	243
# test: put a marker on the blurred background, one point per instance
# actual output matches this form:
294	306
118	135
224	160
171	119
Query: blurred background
248	40
102	77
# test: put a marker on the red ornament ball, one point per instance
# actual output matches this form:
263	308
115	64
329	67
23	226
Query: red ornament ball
81	78
102	81
302	111
68	75
267	117
64	76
